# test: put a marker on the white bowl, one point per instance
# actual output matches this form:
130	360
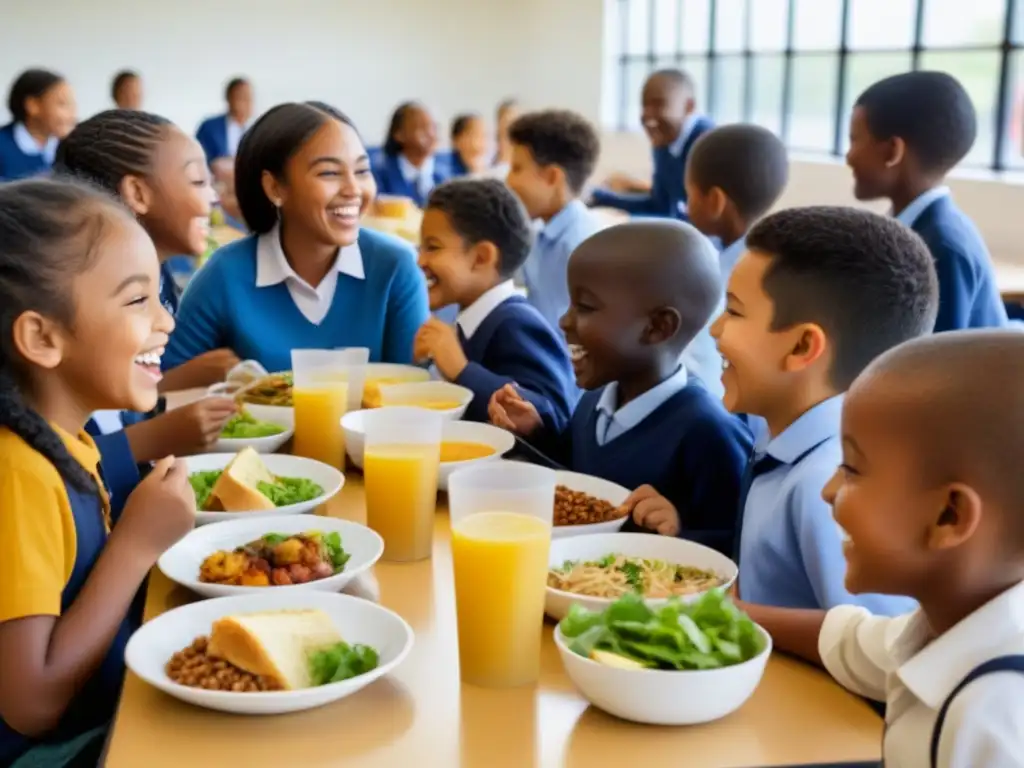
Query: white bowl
269	444
281	465
665	697
594	486
405	374
428	391
181	562
644	545
357	620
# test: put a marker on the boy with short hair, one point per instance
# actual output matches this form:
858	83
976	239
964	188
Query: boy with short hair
672	122
906	133
553	155
928	497
640	292
474	237
819	293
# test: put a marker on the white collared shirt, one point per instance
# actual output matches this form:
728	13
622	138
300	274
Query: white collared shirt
898	661
422	177
676	147
27	143
472	317
920	204
272	267
612	423
234	135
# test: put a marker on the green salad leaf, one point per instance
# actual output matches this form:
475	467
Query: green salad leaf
340	662
243	426
273	539
290	490
332	541
202	484
706	634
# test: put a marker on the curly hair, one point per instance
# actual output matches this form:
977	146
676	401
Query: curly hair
559	137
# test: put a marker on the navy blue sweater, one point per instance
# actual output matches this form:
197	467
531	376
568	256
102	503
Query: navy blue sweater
667	189
15	164
514	344
690	449
968	296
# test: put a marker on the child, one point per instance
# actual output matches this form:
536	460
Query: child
408	167
160	173
735	174
81	327
42	108
475	235
819	294
673	125
640	292
906	133
220	136
553	155
469	146
126	90
928	498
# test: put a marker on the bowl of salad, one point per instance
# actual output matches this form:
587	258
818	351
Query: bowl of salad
264	435
672	664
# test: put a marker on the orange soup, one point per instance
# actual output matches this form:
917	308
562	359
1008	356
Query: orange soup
464	451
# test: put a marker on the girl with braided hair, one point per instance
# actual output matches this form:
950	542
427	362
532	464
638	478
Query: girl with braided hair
81	325
160	174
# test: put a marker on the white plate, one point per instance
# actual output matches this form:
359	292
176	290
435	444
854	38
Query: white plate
269	444
644	545
358	621
598	488
182	561
281	465
665	697
419	392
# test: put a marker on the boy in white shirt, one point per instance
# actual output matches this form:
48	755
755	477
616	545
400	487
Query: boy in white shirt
928	497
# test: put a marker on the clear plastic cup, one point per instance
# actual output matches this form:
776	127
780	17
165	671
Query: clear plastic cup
325	382
400	464
501	516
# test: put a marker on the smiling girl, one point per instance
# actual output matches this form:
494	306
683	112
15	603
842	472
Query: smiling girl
409	166
309	277
42	107
82	318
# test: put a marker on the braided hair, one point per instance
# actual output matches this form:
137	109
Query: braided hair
111	145
49	231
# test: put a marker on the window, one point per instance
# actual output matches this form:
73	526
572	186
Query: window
797	66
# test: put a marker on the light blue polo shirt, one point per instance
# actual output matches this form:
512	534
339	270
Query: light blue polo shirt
791	552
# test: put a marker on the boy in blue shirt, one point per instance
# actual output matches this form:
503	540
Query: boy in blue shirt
640	292
553	155
819	293
670	118
906	133
474	237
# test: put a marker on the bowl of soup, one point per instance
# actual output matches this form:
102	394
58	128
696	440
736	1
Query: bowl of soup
388	374
450	400
463	443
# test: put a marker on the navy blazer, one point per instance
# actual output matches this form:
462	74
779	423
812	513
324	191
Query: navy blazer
213	137
390	180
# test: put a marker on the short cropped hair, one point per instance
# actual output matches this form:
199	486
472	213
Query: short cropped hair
485	210
559	137
867	280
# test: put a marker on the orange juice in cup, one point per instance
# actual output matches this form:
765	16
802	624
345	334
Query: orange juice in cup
323	380
501	532
400	465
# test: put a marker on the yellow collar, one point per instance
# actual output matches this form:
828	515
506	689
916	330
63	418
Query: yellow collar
83	450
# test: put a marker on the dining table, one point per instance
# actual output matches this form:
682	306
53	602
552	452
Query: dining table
422	715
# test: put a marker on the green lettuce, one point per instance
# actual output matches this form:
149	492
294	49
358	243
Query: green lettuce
340	662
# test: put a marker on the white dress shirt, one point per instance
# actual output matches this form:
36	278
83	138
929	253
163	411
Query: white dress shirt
900	661
234	135
272	267
422	178
473	316
26	142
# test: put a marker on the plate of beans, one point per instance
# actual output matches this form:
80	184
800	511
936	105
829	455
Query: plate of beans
586	504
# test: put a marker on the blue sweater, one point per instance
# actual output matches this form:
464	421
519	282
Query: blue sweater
968	296
390	180
667	189
514	344
212	136
690	449
15	164
223	307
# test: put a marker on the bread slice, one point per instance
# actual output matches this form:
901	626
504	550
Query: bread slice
237	488
274	644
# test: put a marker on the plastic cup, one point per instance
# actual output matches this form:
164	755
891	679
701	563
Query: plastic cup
325	383
501	517
400	464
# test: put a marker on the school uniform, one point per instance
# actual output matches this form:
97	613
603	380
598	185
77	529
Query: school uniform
790	547
675	437
52	534
395	175
20	155
457	169
901	662
546	268
247	298
219	137
968	296
507	342
667	197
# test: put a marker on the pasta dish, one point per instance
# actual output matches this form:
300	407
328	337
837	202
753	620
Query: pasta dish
275	389
615	575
